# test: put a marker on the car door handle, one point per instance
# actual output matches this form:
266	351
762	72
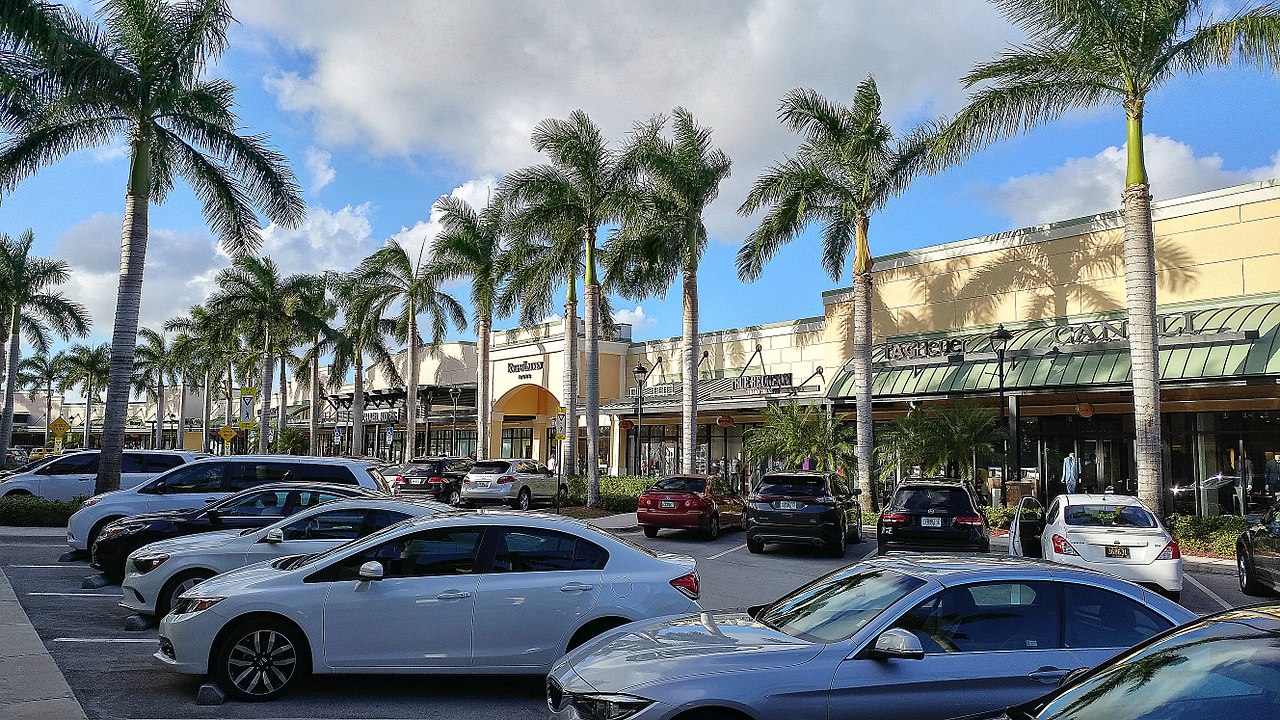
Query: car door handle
576	587
1048	674
454	595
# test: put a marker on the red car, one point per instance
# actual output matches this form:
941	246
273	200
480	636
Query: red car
694	502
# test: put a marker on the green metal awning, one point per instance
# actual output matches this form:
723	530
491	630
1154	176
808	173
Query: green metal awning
1232	342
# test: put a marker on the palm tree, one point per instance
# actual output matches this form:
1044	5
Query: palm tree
1086	54
470	246
585	185
314	314
153	362
209	343
846	169
253	291
390	281
90	368
795	433
950	438
665	237
40	374
362	334
31	305
138	73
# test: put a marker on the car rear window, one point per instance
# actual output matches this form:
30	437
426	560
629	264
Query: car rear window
925	499
422	469
681	484
490	468
1109	516
793	485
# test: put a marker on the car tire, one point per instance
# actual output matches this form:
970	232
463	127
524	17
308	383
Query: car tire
593	629
524	500
455	497
880	549
177	585
839	548
649	531
857	533
713	527
96	530
1249	584
278	668
755	545
1174	595
17	493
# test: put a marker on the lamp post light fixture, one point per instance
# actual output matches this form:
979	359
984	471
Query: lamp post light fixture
173	419
454	392
1000	338
642	375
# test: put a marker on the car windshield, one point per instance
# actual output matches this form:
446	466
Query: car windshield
835	607
1109	516
793	486
681	484
927	499
1229	668
489	468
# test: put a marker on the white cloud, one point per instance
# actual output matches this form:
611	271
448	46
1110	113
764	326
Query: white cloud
418	238
320	169
326	240
1084	186
635	318
468	81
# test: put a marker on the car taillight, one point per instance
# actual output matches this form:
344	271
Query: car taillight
969	520
1170	551
1062	547
692	502
893	519
435	480
687	584
824	500
466	480
398	479
506	479
755	497
645	500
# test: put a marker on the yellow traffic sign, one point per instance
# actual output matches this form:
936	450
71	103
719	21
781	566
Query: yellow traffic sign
227	432
59	427
559	436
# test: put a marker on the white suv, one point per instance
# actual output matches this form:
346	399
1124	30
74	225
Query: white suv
517	483
209	479
74	475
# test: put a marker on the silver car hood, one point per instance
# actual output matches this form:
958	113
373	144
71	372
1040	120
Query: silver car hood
238	580
194	543
702	644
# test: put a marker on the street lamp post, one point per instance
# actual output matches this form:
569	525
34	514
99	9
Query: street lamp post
642	375
999	339
173	419
454	392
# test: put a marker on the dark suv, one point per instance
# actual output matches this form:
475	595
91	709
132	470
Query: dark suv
803	507
933	515
438	478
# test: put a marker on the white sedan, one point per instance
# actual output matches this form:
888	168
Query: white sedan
474	592
157	573
1116	534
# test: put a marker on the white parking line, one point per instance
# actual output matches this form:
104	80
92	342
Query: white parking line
1217	598
74	594
726	552
62	565
151	641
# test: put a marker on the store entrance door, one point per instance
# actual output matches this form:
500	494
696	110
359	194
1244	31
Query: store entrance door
1104	467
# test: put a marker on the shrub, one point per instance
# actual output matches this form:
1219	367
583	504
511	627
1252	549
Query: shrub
32	511
617	493
999	517
1216	534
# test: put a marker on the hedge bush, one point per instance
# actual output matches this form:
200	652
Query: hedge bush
32	511
617	494
1215	534
999	517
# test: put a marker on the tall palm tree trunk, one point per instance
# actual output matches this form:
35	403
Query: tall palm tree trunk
206	412
48	412
865	425
357	407
159	415
88	416
411	391
314	425
227	415
180	436
1140	291
591	288
482	388
124	335
264	392
569	382
11	387
689	369
282	418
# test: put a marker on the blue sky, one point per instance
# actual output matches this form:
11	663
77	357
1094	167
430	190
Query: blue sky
382	108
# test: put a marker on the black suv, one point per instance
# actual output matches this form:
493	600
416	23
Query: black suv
438	478
803	507
933	515
249	509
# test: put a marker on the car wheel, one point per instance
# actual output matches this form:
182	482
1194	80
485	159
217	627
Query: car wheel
592	629
96	530
713	527
17	493
177	585
649	531
755	545
1174	595
1249	584
840	546
880	548
455	497
523	500
261	660
857	533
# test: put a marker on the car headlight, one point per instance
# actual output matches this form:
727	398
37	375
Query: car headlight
608	706
120	530
188	605
146	562
91	501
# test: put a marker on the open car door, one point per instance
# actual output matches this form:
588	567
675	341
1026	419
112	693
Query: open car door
1026	527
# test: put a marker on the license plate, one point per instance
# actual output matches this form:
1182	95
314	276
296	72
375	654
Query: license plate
1117	552
788	505
930	522
482	483
666	503
417	481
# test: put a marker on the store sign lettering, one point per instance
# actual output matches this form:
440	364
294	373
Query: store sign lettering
925	349
524	370
761	383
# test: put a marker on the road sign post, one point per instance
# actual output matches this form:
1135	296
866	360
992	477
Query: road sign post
59	427
247	397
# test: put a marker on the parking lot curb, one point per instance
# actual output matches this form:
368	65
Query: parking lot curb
31	684
21	531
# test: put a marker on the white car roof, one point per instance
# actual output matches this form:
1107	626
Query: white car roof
309	459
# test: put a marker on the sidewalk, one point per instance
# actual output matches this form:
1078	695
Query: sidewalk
622	522
1190	563
31	685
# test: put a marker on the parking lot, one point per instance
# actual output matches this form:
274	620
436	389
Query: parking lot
115	678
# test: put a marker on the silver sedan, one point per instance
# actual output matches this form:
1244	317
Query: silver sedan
941	635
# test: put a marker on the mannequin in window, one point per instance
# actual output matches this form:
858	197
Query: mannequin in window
1071	471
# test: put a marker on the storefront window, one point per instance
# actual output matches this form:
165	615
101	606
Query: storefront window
517	442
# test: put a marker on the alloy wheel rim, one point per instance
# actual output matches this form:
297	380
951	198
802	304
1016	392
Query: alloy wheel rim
524	501
262	662
715	526
454	497
1242	571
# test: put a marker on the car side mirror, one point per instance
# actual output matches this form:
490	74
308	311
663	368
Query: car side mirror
274	535
159	488
371	570
896	644
754	611
1072	676
856	492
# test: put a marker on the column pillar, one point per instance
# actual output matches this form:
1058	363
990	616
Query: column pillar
495	434
617	446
